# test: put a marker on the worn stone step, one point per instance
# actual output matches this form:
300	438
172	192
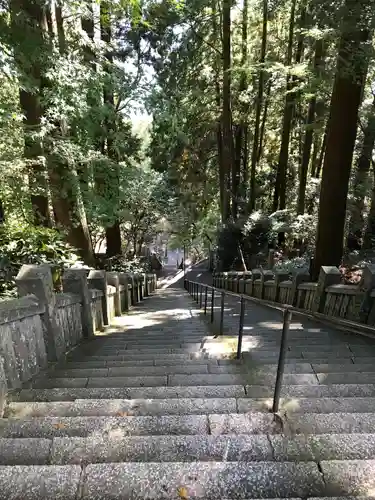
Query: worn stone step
71	394
338	368
185	406
323	447
314	391
310	405
131	371
124	407
50	427
302	368
203	480
274	360
148	350
130	357
240	379
188	368
222	448
135	363
39	482
309	423
26	451
346	378
46	383
160	449
349	478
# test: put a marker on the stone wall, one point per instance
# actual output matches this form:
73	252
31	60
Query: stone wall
42	326
328	296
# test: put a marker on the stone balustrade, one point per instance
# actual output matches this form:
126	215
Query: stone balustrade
328	296
42	325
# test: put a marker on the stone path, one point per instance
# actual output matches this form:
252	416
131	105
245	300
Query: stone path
158	408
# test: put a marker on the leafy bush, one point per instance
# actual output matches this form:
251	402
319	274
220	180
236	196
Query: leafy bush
31	245
123	265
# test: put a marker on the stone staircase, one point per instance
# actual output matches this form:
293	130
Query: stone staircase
158	408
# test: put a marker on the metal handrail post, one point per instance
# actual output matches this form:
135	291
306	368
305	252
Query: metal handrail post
212	304
205	299
200	295
222	312
287	316
240	328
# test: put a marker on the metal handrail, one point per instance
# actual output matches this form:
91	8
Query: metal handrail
195	289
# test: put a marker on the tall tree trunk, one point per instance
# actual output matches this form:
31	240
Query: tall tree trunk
342	129
113	232
226	102
2	212
264	120
356	222
322	152
258	109
279	200
240	155
27	20
307	145
219	133
369	236
69	213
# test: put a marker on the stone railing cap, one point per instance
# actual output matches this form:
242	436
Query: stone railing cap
16	309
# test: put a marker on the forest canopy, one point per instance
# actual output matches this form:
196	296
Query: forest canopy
235	126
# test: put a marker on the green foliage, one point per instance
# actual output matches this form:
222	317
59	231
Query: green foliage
24	244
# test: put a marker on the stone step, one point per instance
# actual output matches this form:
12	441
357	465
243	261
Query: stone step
124	407
137	351
50	427
128	371
130	357
71	394
135	363
310	405
208	391
225	448
213	480
310	423
203	480
314	391
241	379
346	378
338	368
142	381
188	368
184	406
39	482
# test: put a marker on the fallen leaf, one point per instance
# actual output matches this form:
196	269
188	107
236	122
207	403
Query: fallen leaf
59	426
122	414
182	492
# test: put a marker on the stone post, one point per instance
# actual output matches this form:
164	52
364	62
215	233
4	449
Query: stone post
140	284
113	280
255	275
266	276
279	278
297	280
75	281
123	277
367	286
329	275
37	280
98	280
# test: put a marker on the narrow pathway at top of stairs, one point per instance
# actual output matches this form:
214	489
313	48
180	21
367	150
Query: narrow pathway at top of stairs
156	407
